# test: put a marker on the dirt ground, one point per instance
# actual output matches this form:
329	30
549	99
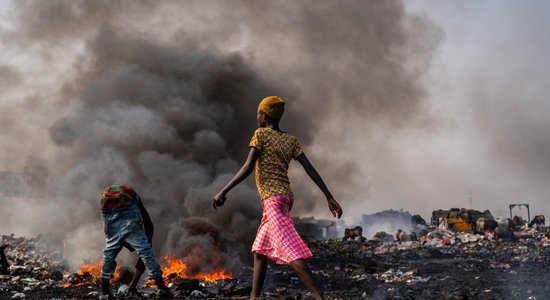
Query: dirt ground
486	269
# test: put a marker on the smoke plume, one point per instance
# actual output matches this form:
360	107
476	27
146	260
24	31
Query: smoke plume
162	95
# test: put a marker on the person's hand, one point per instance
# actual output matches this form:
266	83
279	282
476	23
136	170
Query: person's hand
219	199
334	207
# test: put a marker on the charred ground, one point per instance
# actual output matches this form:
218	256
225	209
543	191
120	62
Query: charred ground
447	266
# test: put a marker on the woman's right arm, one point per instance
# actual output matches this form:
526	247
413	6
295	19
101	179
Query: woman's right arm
245	170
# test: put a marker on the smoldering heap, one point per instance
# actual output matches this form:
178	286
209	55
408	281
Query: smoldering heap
162	96
444	264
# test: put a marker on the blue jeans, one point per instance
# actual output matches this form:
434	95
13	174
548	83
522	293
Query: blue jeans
124	225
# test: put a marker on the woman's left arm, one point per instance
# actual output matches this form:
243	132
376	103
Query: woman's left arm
333	205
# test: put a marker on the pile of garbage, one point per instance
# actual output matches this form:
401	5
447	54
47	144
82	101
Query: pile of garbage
440	264
28	264
434	263
34	268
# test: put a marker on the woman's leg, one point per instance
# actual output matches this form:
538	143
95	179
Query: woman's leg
302	270
260	267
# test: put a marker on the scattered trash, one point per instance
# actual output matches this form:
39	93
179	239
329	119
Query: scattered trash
438	263
122	290
18	296
93	294
197	294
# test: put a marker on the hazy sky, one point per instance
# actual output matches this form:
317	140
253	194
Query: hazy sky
489	84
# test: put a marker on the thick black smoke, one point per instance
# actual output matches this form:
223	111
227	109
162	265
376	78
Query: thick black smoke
162	95
160	119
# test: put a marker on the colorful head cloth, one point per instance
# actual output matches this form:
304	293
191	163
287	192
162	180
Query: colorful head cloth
273	106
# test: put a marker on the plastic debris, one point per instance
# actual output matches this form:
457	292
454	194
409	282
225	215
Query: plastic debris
18	296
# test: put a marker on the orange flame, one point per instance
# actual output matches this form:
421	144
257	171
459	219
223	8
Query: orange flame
87	270
94	270
214	276
174	268
67	285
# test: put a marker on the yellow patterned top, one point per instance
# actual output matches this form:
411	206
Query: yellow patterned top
276	150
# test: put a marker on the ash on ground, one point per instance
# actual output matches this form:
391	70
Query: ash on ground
441	264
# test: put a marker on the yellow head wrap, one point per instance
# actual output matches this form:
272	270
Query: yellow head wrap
273	106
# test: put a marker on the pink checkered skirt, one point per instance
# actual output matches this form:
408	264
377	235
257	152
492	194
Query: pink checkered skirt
277	238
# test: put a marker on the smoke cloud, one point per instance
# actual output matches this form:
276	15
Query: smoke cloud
162	95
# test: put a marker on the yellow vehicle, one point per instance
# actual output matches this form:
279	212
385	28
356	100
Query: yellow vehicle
459	224
457	219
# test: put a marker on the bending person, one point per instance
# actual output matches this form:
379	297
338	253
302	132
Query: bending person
123	225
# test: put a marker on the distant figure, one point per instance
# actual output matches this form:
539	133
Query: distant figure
271	150
384	237
505	229
353	233
483	225
537	222
413	236
400	236
123	220
422	235
3	260
417	220
517	222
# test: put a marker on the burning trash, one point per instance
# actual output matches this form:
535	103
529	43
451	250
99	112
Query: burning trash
437	263
443	264
31	272
174	269
88	274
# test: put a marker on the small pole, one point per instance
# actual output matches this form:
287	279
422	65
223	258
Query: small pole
424	208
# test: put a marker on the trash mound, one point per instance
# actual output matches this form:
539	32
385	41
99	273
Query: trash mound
441	265
34	268
444	265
